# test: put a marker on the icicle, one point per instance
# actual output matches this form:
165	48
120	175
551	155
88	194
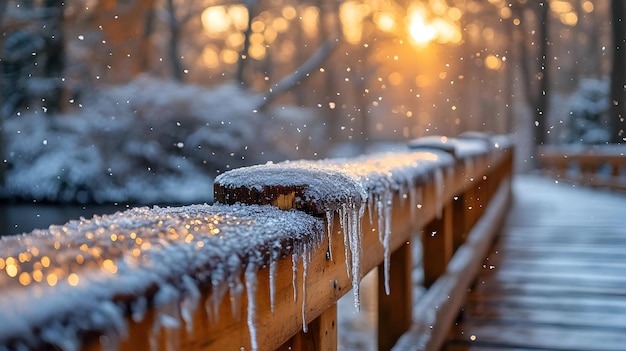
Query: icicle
235	286
381	218
370	208
190	302
343	216
167	316
138	309
439	191
63	337
218	290
116	325
413	199
330	217
251	285
273	266
294	275
387	237
354	233
306	258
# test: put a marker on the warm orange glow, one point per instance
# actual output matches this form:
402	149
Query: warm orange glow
395	78
565	11
229	56
385	21
447	32
73	279
37	275
310	19
52	279
25	278
289	12
588	6
492	62
351	14
215	19
421	32
11	270
109	266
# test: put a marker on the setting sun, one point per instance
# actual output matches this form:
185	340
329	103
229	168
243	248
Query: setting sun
421	32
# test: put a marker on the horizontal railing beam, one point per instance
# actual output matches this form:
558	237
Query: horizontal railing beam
204	277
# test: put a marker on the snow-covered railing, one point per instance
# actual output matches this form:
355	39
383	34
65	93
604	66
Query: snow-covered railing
591	165
263	268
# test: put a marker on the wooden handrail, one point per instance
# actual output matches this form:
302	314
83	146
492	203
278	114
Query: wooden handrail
237	275
590	165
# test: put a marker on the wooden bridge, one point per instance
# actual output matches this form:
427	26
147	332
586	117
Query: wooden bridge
554	280
240	275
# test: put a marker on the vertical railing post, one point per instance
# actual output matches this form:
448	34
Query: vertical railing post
460	226
437	243
321	334
395	310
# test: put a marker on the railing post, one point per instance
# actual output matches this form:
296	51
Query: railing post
437	243
395	310
460	226
321	334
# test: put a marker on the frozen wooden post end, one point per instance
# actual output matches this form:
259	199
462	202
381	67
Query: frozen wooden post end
239	274
388	198
373	206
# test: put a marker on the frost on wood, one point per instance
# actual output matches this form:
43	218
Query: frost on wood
87	276
342	186
472	145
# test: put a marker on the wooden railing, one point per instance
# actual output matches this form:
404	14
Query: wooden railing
590	165
237	275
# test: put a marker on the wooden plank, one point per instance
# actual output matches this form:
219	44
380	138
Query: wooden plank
591	303
576	317
557	264
555	279
451	346
542	289
539	337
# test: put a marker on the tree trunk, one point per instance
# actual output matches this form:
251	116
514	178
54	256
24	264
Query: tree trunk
617	122
177	66
243	55
542	101
54	64
3	7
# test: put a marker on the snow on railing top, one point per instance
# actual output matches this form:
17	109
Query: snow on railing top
325	185
342	186
84	275
469	145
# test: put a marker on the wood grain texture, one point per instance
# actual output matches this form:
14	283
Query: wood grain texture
326	278
555	279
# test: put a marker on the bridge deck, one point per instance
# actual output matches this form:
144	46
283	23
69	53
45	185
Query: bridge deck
556	279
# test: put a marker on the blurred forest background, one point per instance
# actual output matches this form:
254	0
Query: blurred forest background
145	101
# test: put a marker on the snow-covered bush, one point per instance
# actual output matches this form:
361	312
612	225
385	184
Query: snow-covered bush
150	141
588	106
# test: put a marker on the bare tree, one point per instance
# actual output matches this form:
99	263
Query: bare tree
536	76
243	55
3	8
301	73
54	63
617	117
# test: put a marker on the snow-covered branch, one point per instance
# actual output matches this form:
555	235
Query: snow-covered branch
301	73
